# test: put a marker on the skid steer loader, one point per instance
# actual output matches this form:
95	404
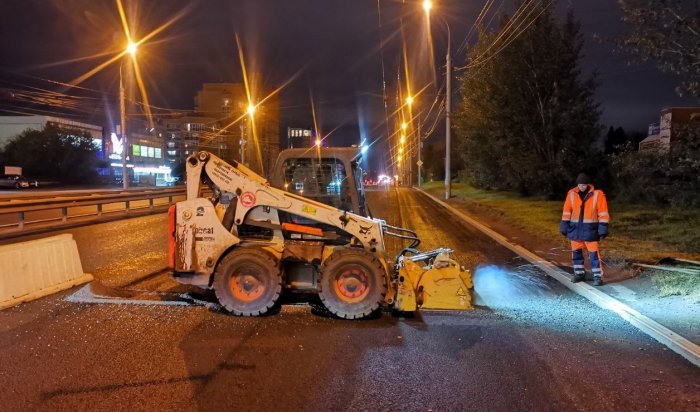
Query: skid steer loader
250	241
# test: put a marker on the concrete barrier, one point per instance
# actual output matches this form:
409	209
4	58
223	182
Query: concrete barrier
30	270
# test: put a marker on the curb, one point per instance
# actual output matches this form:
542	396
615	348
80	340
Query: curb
662	334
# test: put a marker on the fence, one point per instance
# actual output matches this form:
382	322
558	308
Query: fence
25	216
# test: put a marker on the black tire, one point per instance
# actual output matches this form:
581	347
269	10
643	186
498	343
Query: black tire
352	284
248	281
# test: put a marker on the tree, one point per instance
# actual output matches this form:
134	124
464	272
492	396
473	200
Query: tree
528	119
668	33
68	156
615	140
433	163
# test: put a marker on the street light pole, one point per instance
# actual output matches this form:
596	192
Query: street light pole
419	163
427	5
122	115
448	112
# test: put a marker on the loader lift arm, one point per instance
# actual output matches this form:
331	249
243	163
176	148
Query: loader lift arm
252	191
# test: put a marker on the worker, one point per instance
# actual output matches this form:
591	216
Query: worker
585	222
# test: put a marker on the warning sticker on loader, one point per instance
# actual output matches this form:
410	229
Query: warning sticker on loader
247	199
460	292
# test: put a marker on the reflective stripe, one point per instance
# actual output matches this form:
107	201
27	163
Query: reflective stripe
603	214
604	220
565	220
595	205
578	266
566	213
572	200
590	221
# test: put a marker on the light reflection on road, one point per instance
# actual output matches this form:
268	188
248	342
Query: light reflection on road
500	287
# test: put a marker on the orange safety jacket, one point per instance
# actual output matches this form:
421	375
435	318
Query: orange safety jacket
585	220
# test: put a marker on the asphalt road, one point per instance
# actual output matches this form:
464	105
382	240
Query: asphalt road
529	345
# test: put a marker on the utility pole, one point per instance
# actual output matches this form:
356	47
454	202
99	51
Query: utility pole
122	115
420	145
448	110
244	136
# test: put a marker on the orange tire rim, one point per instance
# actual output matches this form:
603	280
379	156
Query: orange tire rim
351	285
246	285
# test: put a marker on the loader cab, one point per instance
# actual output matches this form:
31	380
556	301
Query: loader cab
328	175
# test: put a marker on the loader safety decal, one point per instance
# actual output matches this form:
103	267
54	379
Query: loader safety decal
460	292
247	199
308	209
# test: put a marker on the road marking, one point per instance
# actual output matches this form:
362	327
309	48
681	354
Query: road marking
86	295
662	334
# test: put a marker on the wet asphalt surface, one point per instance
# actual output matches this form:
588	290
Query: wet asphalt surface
529	345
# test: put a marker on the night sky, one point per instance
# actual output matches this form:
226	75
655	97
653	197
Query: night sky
332	46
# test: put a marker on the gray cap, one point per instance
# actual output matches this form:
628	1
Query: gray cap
583	179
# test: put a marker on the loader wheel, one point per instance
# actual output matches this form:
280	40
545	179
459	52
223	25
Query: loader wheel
352	284
248	281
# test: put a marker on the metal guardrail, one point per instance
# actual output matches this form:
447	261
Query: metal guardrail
26	216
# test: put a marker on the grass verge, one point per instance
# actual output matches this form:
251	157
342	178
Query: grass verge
638	232
677	284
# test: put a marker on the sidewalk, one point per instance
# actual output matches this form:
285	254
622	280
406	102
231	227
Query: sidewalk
636	289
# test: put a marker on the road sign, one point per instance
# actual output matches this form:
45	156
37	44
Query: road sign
419	163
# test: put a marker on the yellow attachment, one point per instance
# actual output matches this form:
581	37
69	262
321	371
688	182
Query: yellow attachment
444	285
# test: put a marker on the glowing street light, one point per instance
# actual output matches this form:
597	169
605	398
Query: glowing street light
251	109
131	48
400	158
403	139
409	100
401	150
404	126
318	142
427	5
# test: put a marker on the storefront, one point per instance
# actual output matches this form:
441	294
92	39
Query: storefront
145	161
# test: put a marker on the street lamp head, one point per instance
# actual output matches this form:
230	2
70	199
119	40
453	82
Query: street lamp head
318	142
131	48
251	109
403	139
404	125
409	100
427	5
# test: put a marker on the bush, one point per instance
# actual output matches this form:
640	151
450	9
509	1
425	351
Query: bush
671	178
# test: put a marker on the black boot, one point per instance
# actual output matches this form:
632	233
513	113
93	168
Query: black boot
578	278
597	281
